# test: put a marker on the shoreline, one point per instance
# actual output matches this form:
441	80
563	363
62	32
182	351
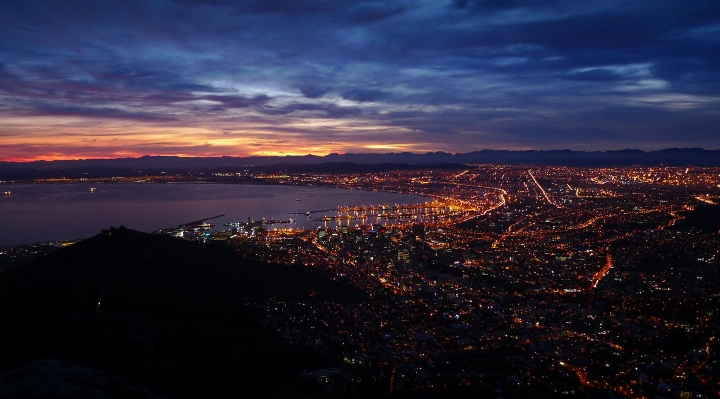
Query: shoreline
425	198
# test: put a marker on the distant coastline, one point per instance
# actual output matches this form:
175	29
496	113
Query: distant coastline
351	163
43	213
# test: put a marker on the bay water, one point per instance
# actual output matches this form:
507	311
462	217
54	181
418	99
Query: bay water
34	213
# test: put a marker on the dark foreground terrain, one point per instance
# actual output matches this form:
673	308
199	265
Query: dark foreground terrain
128	314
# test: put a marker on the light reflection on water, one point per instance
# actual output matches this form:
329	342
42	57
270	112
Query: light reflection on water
46	212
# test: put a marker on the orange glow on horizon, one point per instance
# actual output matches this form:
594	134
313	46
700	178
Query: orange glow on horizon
54	138
51	138
80	156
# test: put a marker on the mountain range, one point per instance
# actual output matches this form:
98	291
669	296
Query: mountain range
151	165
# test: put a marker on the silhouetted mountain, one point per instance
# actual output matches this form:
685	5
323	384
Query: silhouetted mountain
343	167
156	311
57	379
152	165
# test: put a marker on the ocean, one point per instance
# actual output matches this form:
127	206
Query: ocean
35	213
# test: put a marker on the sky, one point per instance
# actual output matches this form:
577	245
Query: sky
96	79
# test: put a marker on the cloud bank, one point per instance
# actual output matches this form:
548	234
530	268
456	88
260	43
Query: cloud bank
295	77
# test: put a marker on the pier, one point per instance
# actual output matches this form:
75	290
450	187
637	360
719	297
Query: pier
190	224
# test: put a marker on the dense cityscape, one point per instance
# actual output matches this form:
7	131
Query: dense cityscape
600	282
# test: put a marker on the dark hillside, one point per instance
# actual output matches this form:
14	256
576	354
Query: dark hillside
172	314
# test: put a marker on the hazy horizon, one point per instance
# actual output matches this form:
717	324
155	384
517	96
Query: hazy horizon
357	153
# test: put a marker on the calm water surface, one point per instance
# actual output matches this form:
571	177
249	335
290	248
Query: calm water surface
48	212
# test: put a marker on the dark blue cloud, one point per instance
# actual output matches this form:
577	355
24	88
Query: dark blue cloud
238	101
312	91
324	110
598	75
363	95
517	73
96	112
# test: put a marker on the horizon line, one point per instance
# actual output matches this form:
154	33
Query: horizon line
346	153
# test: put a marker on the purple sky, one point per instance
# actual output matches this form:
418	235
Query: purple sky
88	79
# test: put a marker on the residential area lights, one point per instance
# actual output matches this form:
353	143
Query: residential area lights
541	189
553	285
